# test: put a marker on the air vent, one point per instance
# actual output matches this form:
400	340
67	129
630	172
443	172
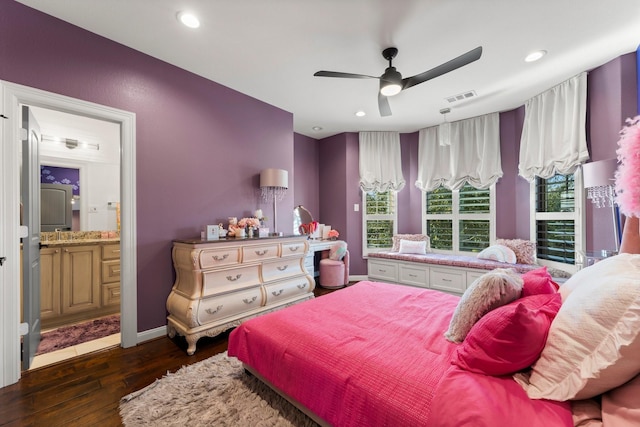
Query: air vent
461	96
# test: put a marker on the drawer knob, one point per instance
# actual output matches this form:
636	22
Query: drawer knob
413	275
260	253
283	268
211	311
302	286
446	280
276	293
220	258
250	301
293	248
233	279
382	271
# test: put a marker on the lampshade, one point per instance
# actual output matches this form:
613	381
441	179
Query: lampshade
278	178
600	173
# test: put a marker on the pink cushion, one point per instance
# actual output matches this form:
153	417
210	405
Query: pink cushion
525	250
509	338
538	282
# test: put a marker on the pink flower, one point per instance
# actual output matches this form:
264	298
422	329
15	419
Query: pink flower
628	173
333	233
249	222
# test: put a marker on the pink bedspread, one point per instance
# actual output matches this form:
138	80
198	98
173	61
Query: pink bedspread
374	354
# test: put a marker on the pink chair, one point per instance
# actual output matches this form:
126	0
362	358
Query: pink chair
334	273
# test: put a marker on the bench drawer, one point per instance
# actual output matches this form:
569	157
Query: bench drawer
414	276
448	280
382	271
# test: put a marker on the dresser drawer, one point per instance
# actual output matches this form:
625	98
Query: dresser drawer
382	271
448	280
110	251
286	289
414	276
210	258
229	279
234	304
282	269
293	249
259	253
111	271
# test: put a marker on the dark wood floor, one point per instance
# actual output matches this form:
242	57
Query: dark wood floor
86	391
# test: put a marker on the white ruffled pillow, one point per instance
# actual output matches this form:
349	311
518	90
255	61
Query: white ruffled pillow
413	247
594	341
499	253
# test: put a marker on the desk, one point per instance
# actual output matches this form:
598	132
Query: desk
312	261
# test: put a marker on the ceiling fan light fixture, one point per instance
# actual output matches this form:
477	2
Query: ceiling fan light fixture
390	89
390	82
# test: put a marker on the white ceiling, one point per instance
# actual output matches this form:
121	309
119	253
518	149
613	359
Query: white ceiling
269	49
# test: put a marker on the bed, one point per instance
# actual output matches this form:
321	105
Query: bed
375	354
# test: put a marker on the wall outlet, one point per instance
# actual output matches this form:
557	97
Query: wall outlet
356	207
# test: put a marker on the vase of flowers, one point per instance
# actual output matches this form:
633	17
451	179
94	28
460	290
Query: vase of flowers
249	224
333	235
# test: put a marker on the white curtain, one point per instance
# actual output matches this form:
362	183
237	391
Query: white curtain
473	155
380	162
554	135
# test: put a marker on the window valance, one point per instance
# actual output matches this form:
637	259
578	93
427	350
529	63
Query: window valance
380	162
554	134
473	155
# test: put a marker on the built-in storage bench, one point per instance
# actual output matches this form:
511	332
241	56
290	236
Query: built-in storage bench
447	273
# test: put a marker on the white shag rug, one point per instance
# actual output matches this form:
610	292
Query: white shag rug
213	392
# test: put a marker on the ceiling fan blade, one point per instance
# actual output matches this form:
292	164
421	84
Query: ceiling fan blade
343	75
454	64
383	105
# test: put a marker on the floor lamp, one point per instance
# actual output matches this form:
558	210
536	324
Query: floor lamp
599	180
273	186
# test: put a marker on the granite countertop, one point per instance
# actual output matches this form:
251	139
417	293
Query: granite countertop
78	242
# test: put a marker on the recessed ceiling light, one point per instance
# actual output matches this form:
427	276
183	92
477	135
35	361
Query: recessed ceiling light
316	128
534	56
360	113
188	19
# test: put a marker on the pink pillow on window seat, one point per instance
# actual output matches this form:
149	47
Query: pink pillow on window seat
510	338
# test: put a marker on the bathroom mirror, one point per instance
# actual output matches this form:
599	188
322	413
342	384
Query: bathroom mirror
301	217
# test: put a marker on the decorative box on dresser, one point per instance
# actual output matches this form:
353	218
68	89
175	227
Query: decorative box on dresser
220	283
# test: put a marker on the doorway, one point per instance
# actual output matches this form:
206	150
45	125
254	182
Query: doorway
79	176
13	96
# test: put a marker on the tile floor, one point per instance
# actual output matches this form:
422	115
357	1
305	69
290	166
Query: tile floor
77	350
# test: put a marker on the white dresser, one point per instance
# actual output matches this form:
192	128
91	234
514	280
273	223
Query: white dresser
220	283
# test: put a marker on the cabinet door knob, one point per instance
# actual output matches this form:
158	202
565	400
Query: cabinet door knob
283	268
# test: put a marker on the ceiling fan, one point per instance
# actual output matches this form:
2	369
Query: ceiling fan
391	81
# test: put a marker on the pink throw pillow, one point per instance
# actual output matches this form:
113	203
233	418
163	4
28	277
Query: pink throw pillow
509	338
537	282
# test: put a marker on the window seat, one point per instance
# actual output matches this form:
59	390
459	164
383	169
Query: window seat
454	261
444	272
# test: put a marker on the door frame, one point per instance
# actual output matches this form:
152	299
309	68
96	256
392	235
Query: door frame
12	96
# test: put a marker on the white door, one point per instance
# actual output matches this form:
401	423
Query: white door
30	198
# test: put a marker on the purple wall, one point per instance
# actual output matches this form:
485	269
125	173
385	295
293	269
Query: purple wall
200	145
306	173
612	99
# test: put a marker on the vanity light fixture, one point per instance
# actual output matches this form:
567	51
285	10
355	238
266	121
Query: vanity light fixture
534	56
70	143
188	19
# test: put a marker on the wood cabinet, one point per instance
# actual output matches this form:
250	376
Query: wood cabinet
221	283
77	283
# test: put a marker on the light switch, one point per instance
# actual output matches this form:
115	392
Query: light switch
356	207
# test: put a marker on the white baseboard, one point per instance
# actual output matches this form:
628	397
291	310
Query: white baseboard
357	278
151	334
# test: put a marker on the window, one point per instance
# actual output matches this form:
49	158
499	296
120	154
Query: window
379	221
460	220
556	221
